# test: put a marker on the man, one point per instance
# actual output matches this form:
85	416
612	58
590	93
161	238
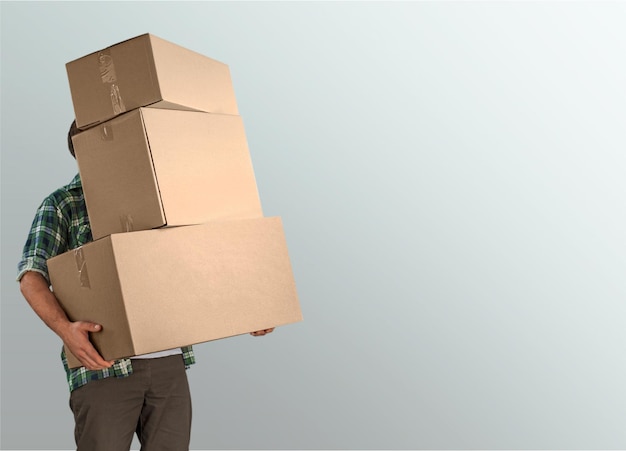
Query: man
147	395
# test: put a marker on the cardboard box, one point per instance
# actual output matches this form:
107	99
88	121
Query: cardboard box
160	289
152	167
147	70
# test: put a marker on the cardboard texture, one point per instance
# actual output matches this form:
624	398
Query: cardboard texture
147	70
160	289
154	167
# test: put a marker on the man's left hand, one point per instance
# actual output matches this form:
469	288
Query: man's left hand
260	333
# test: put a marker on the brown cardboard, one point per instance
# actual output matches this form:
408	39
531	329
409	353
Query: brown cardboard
147	70
154	167
160	289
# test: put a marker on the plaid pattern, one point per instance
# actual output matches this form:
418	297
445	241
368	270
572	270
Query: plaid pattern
61	224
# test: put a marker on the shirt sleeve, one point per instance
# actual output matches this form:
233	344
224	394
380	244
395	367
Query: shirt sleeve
45	240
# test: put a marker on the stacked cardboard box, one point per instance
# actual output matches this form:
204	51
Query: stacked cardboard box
182	252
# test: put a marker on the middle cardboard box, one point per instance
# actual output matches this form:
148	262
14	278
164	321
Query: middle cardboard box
150	168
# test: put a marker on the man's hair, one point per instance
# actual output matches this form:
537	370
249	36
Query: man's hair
73	131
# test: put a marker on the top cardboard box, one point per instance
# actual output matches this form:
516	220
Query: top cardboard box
147	71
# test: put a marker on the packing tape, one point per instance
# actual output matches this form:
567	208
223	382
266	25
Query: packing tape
127	223
107	68
81	265
106	133
116	100
109	76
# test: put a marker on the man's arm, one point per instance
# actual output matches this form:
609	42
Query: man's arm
75	335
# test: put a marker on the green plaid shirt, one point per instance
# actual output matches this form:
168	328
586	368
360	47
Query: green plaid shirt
60	225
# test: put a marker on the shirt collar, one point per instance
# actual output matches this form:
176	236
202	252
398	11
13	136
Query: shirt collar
75	183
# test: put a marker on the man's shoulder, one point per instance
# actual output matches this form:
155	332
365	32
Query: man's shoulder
73	191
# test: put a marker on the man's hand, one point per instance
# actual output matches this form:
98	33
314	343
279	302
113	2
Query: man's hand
260	333
76	338
75	335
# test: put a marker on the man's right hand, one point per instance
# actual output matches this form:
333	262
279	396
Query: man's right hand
76	338
75	335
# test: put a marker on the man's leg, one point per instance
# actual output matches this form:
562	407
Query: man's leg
106	412
165	421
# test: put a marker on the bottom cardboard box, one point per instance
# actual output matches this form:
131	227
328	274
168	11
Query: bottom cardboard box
158	289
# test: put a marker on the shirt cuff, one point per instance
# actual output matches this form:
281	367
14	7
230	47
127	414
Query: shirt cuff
33	264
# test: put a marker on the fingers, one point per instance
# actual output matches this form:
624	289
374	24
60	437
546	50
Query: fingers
79	344
89	327
260	333
91	360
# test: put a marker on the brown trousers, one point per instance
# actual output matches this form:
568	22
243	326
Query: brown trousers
154	402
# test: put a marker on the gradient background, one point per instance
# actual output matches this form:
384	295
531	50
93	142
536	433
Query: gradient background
451	181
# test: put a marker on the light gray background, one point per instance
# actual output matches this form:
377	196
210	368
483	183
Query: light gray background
451	181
